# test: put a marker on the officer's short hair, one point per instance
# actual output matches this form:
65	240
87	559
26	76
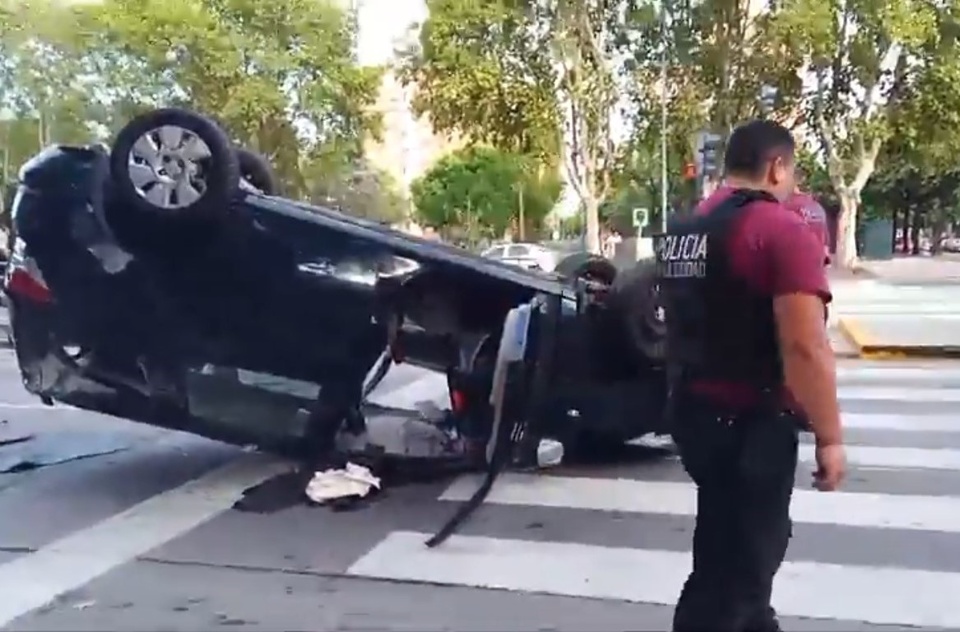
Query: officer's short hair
753	144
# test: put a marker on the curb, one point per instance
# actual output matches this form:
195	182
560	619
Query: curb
874	350
846	353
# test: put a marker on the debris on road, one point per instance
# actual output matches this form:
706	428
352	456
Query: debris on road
10	435
60	447
425	433
351	481
396	447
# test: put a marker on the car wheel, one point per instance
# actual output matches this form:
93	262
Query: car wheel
173	166
636	298
583	265
255	169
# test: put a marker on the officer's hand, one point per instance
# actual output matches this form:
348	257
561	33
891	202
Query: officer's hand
831	467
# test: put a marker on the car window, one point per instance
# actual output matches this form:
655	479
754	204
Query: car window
517	251
495	252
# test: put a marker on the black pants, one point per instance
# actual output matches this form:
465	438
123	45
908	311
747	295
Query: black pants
744	467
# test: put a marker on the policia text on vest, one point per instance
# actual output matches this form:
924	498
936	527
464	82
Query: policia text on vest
681	256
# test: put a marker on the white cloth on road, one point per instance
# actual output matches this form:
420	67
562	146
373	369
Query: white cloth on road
353	480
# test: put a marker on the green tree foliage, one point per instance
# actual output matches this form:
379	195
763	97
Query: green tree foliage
359	189
814	178
639	181
543	78
485	192
45	76
719	56
481	74
279	75
861	56
916	189
916	180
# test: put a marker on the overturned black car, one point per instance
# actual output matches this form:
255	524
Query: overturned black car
145	279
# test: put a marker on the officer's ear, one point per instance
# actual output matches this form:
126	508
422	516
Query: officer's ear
780	175
777	171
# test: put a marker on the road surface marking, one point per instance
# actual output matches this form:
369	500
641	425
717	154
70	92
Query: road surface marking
886	511
903	458
851	372
894	394
897	308
902	423
34	580
803	589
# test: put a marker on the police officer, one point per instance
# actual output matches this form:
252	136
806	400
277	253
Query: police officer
812	212
744	289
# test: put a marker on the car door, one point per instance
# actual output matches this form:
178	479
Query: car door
307	307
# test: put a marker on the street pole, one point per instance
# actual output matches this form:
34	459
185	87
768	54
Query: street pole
663	117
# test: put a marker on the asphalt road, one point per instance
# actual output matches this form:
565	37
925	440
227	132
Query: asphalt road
125	541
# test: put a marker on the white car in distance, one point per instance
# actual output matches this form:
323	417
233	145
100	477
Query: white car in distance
529	256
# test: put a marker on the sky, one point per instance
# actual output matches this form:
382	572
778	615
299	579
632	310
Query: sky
383	25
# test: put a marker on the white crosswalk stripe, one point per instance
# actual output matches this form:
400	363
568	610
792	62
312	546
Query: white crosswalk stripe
882	551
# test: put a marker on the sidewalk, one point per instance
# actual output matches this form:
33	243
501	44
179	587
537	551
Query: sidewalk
895	337
943	268
882	318
842	347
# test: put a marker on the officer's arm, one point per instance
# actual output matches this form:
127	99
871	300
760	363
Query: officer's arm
800	291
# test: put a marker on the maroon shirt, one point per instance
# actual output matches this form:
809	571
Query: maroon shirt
807	207
776	253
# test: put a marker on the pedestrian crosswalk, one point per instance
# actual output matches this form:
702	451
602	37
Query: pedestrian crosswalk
885	550
879	298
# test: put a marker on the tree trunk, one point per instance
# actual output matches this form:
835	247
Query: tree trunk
912	219
897	217
591	210
938	229
915	234
847	231
521	223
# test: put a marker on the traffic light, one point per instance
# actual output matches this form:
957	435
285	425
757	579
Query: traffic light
710	155
768	98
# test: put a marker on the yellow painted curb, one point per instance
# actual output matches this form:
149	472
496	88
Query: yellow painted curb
846	353
875	350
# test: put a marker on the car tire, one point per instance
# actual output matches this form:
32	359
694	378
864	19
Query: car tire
586	265
171	167
634	297
255	169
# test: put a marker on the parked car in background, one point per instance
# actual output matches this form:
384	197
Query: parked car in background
951	244
524	255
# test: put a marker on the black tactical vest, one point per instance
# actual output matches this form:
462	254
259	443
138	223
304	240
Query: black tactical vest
717	326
